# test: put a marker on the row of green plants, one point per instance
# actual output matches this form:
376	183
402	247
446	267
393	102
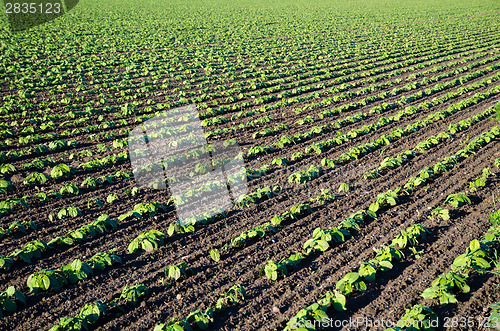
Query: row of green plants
421	94
72	273
385	257
92	312
63	122
97	79
405	242
355	152
296	212
10	205
361	150
10	299
383	201
322	240
143	82
390	163
448	162
102	225
479	257
316	95
203	320
17	227
348	86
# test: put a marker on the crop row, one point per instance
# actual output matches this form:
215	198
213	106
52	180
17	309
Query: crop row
479	256
315	131
353	281
347	86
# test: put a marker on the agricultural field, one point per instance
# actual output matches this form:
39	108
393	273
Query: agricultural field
370	137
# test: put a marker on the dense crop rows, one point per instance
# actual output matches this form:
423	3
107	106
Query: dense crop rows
371	155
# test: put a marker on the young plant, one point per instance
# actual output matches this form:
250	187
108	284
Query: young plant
324	197
230	297
457	199
7	169
410	236
443	287
344	187
30	250
20	227
385	256
5	262
385	200
66	212
91	312
280	162
102	260
201	319
94	201
148	241
307	317
351	282
132	294
69	189
46	279
367	270
34	178
61	170
322	238
300	210
214	254
475	257
90	183
5	186
178	270
77	271
9	300
177	228
256	233
442	213
112	198
494	318
273	269
419	315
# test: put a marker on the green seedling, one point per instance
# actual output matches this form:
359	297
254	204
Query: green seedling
102	260
9	299
147	241
178	270
46	279
77	271
458	199
214	254
344	188
232	296
443	287
442	213
112	198
132	294
349	283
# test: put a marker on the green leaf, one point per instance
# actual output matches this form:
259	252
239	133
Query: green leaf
174	272
9	305
147	245
133	246
322	245
474	245
386	264
214	254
